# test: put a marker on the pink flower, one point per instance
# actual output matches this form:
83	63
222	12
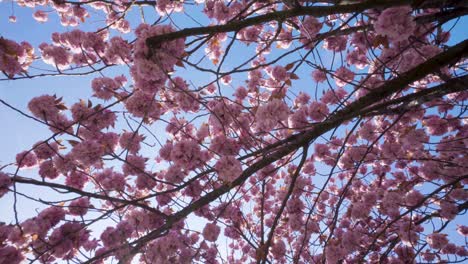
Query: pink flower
299	118
10	255
88	152
118	51
47	170
321	151
187	153
319	76
104	87
462	230
228	168
76	179
45	150
183	97
130	141
448	210
150	73
413	198
134	165
279	73
40	16
142	104
278	248
174	174
222	145
44	107
318	111
335	43
26	159
437	240
79	206
67	238
211	232
343	76
16	58
268	116
55	55
110	180
334	96
396	23
251	33
310	28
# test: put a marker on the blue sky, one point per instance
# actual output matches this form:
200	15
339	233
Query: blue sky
20	133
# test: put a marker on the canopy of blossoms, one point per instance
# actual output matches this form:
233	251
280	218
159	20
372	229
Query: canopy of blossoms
241	131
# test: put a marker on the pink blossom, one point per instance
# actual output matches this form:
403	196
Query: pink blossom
118	51
150	73
228	168
67	238
166	7
15	58
88	152
268	116
310	28
335	43
104	87
334	96
187	153
284	39
343	76
319	76
40	16
279	73
299	118
251	33
278	248
10	255
174	174
26	159
321	151
130	141
462	230
241	93
47	170
357	59
44	107
222	145
44	221
396	23
448	210
185	99
211	232
142	104
76	179
45	150
437	240
79	206
318	111
134	165
413	198
110	180
55	55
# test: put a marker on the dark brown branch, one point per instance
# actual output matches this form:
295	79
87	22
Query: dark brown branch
316	11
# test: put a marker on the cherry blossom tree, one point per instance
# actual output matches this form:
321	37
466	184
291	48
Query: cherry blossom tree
242	131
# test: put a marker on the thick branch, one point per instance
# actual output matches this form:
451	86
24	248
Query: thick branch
316	11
